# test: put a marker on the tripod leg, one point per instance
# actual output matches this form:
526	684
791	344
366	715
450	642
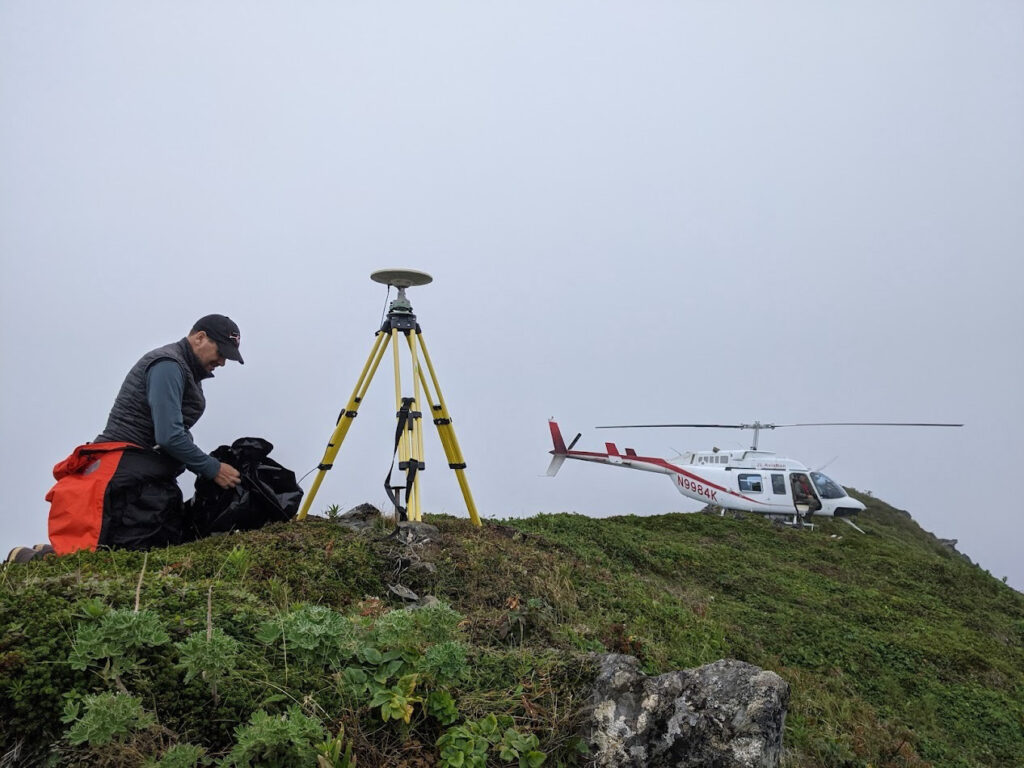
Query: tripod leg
403	442
380	345
416	424
435	411
443	421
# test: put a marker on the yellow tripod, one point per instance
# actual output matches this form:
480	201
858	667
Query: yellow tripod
401	321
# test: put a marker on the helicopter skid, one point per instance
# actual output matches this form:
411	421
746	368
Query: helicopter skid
794	521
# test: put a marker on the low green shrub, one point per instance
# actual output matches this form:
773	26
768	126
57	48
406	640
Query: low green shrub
98	719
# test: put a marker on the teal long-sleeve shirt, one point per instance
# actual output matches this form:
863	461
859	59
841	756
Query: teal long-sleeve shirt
165	386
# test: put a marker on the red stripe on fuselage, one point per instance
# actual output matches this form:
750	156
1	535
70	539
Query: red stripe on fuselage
671	467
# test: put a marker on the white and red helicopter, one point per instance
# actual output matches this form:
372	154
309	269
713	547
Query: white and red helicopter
751	480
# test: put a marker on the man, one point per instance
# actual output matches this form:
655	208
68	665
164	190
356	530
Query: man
121	490
802	493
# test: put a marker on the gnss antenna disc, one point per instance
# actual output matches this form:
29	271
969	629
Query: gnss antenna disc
401	278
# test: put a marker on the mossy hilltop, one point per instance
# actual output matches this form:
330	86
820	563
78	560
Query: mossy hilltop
899	652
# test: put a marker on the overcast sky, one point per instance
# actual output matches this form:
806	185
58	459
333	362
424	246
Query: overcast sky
633	212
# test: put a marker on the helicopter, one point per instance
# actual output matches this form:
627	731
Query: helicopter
752	480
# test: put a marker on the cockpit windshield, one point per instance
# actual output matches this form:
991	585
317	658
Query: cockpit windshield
827	487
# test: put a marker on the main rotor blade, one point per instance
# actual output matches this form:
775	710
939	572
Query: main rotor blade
775	426
651	426
869	424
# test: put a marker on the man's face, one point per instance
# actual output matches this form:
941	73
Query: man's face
207	352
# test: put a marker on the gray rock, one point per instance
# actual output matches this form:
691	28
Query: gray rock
728	714
415	534
950	546
403	592
361	518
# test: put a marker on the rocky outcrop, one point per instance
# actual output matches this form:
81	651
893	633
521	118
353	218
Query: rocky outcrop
728	714
950	546
363	517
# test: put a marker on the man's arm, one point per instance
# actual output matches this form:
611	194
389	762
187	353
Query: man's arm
165	385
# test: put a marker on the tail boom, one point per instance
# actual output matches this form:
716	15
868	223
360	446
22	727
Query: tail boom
612	455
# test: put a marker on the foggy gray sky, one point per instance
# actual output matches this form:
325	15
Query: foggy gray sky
633	212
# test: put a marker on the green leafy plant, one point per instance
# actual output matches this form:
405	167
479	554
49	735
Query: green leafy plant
441	706
396	702
213	656
113	643
180	756
237	563
371	679
404	651
107	716
312	635
524	748
333	512
276	741
444	664
330	752
467	745
92	608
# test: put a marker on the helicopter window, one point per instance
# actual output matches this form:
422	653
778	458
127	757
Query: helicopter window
827	487
779	485
750	483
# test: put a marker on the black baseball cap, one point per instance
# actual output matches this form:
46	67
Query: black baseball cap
224	331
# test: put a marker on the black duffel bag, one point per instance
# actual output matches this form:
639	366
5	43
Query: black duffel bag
268	493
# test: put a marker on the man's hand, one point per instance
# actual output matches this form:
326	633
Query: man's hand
227	477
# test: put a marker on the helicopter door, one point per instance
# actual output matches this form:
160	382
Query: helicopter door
803	492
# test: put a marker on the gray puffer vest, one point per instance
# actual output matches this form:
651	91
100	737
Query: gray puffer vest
130	419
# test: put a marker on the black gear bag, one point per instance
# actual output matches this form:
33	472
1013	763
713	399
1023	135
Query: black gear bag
268	493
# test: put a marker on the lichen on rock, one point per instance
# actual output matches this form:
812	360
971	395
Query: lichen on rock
728	714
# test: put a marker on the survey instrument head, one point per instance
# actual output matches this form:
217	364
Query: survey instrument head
401	278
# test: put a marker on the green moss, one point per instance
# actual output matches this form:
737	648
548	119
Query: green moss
899	653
